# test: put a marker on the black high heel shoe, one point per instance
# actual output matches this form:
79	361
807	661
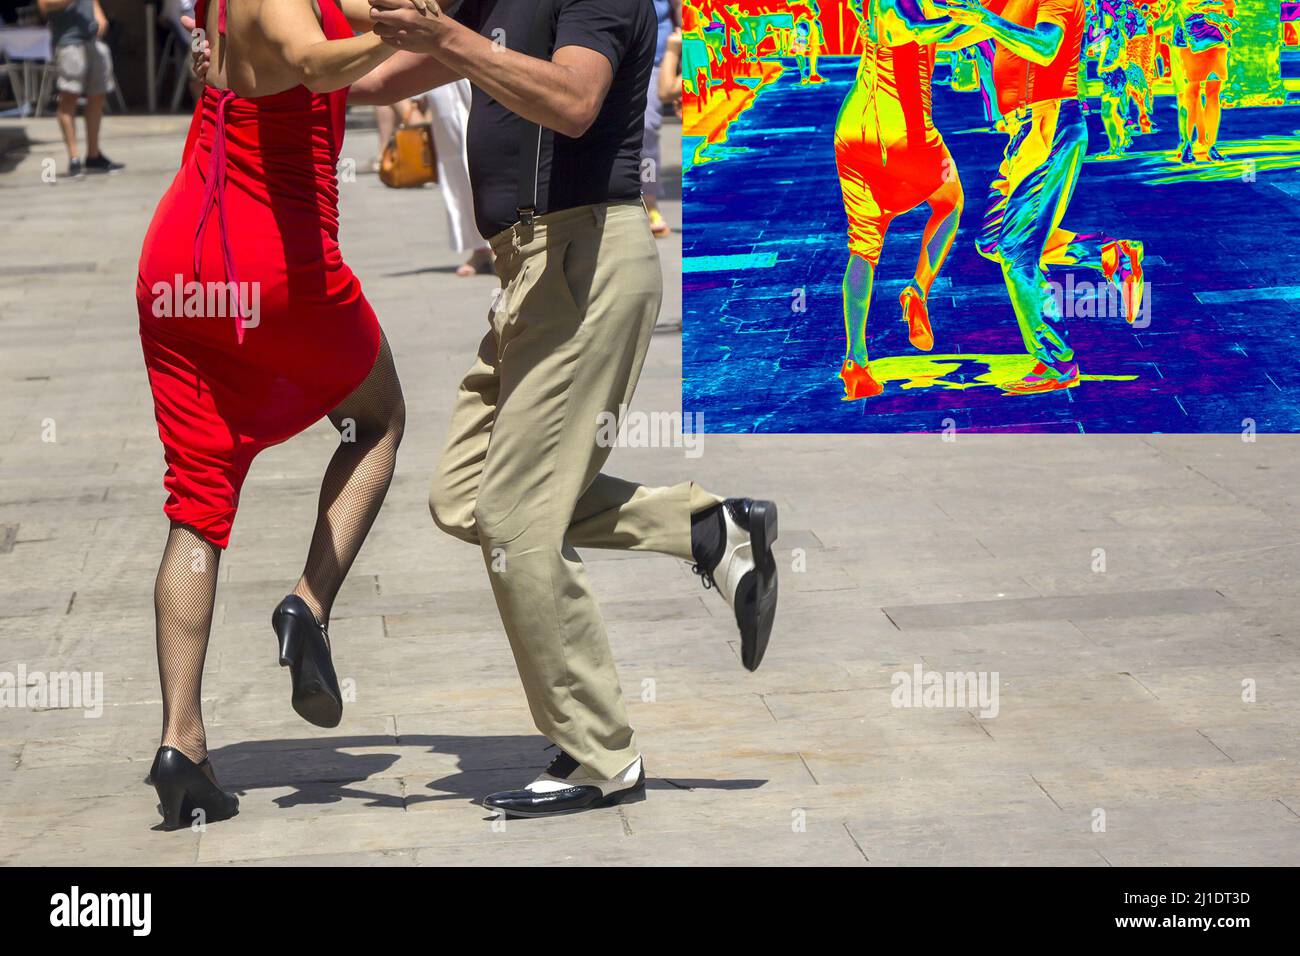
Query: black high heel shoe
184	789
304	649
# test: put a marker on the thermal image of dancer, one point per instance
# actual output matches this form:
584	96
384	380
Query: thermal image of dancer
807	43
1036	73
1142	73
1201	34
1119	39
1111	51
891	158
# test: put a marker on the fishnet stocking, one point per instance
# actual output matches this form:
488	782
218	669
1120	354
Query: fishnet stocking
370	423
183	597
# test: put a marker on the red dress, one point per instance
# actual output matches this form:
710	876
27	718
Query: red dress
255	203
890	156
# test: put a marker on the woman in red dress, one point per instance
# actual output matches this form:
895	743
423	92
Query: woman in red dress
253	328
891	159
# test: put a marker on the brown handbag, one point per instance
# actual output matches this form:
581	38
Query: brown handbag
409	158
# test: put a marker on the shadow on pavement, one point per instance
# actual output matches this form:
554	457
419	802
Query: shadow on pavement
321	772
14	147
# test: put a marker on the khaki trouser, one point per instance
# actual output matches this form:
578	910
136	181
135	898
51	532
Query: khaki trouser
520	476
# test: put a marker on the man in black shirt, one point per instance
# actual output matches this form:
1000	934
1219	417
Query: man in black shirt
554	145
583	95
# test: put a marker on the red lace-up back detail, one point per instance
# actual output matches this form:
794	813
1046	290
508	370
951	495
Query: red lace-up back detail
253	327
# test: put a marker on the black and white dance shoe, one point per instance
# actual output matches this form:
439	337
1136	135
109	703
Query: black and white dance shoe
568	787
733	553
305	650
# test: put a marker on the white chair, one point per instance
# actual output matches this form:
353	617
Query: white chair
176	55
25	50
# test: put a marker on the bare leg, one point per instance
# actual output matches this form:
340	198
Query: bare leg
936	242
1141	96
67	114
479	261
1190	100
386	122
370	423
183	598
1113	118
1212	115
859	277
94	115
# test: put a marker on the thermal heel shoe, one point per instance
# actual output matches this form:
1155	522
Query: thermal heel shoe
186	794
916	313
304	649
858	381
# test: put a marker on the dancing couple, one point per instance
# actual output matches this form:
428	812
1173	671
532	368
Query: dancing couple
554	144
891	158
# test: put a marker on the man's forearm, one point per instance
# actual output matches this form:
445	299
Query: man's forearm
538	90
405	75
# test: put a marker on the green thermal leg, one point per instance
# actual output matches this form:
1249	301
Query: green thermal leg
859	277
940	231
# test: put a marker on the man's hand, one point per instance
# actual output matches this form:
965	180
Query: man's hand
200	50
415	25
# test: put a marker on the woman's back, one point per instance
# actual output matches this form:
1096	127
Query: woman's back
893	64
255	202
886	22
246	56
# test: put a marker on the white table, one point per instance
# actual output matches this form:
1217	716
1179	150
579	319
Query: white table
28	47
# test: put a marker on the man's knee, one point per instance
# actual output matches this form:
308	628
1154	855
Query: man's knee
495	515
511	520
452	509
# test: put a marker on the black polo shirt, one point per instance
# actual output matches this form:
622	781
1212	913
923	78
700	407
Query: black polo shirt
602	165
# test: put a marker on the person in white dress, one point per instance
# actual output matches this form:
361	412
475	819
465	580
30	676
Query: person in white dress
448	109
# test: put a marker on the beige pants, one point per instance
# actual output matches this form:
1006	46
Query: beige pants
520	476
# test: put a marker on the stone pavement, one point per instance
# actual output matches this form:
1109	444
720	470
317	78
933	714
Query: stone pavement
1122	622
